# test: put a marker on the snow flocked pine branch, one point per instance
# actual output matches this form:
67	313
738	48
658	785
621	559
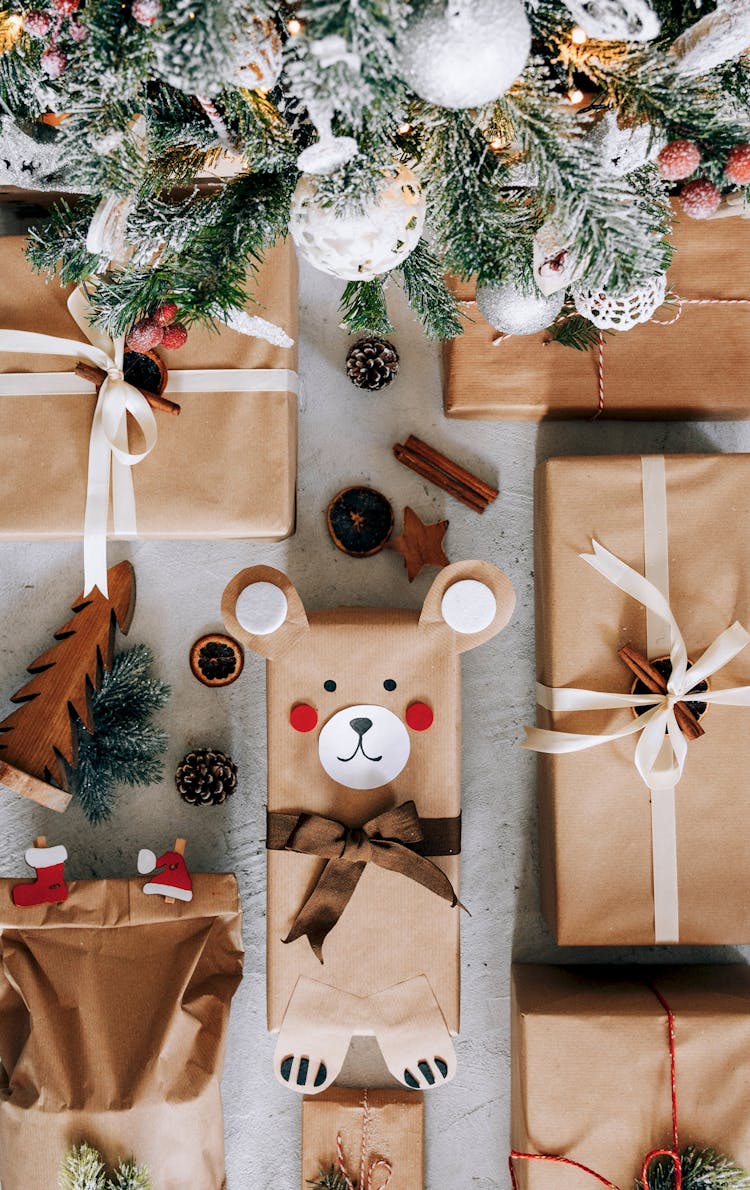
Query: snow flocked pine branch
147	95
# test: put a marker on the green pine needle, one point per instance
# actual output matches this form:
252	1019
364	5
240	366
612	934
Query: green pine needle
83	1169
573	330
330	1181
126	748
702	1169
363	308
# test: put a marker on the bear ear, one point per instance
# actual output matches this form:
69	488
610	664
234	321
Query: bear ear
261	608
471	601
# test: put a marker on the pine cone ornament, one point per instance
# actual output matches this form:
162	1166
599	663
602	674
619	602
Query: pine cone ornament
372	363
206	777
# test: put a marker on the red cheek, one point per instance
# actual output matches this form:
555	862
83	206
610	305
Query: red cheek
303	717
419	716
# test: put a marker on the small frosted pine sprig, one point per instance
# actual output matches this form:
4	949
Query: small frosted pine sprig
332	1180
702	1169
83	1169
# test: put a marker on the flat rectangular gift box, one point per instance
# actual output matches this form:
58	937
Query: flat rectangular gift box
697	368
384	1130
590	1061
599	879
225	468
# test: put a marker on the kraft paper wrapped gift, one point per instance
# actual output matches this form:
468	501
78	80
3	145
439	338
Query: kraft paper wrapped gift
599	815
226	467
113	1014
698	368
363	858
376	1134
590	1061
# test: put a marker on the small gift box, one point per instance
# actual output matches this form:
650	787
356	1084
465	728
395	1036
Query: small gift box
114	1006
641	565
621	1074
225	467
696	365
368	1139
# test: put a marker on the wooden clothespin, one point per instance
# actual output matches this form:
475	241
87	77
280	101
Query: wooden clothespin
179	847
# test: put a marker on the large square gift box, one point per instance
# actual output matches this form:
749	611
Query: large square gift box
373	1138
696	367
225	467
643	827
114	1007
591	1061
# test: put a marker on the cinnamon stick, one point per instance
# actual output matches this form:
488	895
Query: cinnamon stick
97	376
654	681
445	473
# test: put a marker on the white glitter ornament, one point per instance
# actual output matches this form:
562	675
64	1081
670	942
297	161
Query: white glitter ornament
464	53
623	149
27	163
362	244
622	313
258	56
514	311
716	38
554	265
615	20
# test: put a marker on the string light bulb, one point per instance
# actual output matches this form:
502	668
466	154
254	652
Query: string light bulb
294	26
404	129
11	29
578	35
496	144
575	96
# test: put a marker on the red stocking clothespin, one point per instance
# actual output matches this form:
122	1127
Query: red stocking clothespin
49	887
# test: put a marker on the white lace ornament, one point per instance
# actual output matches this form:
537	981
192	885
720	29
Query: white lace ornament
361	244
464	53
716	38
329	152
621	312
615	20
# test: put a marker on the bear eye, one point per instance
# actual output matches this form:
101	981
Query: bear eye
389	684
329	685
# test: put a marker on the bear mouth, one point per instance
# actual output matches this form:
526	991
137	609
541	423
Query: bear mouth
358	749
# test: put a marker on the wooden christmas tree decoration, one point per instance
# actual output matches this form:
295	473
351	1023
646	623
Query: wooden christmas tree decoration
41	734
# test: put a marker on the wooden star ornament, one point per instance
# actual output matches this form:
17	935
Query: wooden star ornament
419	544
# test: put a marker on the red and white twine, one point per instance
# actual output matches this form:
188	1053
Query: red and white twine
366	1172
673	1153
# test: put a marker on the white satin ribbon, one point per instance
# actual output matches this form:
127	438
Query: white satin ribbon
660	719
110	457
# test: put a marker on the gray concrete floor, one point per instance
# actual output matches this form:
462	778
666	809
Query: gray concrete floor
345	437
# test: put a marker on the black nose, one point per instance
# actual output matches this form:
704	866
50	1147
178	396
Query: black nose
360	725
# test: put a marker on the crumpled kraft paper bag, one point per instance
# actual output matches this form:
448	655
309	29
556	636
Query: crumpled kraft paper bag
594	809
225	468
395	1133
113	1014
591	1069
697	368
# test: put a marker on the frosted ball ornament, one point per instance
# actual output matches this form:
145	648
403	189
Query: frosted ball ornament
464	53
621	312
363	243
258	56
615	20
514	310
622	149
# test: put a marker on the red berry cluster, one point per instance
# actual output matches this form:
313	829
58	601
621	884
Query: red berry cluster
158	330
700	198
38	24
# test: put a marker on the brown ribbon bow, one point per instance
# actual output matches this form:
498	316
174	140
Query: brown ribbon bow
387	840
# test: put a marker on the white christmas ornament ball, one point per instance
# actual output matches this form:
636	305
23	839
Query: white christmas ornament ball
464	53
514	311
615	20
364	243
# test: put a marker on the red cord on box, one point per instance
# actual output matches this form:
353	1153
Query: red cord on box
650	1157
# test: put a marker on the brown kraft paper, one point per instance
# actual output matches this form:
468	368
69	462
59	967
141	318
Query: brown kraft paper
697	368
594	808
391	963
391	1124
591	1068
225	468
113	1015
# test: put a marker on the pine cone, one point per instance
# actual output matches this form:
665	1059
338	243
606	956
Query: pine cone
372	363
206	777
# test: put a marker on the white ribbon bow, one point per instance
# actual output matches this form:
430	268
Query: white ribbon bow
110	458
652	725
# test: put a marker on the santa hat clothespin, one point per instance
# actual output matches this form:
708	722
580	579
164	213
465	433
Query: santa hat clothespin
173	883
49	887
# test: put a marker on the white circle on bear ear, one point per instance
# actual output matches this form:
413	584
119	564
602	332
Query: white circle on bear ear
261	608
469	606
